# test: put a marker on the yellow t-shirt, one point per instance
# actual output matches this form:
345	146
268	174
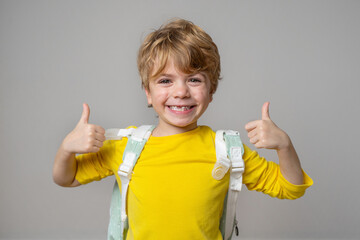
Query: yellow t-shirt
172	194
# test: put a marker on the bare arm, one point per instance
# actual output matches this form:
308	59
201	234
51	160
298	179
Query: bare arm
290	166
64	169
265	134
85	138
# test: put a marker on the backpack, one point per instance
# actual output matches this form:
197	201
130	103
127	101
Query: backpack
229	151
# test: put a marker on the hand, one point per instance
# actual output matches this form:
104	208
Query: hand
85	137
265	134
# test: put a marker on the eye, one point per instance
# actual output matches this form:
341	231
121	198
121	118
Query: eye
164	81
194	80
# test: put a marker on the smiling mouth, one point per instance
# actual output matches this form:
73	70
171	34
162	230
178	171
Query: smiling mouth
180	108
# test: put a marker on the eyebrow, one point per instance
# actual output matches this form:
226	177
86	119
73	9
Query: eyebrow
165	75
187	75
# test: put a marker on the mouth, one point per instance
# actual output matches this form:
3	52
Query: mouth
180	108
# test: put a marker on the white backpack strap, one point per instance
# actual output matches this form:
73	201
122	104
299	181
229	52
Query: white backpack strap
229	151
235	151
118	134
114	228
223	163
132	151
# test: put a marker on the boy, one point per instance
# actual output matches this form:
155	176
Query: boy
172	194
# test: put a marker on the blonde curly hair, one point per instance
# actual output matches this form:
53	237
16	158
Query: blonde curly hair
190	47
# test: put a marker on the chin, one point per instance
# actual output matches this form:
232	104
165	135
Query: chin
184	125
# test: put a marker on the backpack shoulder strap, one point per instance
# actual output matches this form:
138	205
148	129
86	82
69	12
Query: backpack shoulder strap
229	151
117	133
115	210
136	141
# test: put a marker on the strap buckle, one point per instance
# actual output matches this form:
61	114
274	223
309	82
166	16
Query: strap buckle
237	164
127	166
221	167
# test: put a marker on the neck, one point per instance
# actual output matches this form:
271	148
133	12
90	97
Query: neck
162	130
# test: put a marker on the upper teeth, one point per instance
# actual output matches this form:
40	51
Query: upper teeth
179	108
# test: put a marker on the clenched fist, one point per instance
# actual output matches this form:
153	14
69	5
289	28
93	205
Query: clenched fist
265	134
85	137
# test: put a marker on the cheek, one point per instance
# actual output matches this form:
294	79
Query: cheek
159	96
203	96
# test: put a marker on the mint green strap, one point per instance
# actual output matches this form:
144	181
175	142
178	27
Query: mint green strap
118	225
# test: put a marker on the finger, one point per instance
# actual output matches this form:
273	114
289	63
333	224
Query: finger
252	133
100	137
99	129
254	139
258	145
98	144
251	125
96	129
85	114
94	149
265	111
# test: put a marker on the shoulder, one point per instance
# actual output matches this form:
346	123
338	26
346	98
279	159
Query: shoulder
206	130
114	140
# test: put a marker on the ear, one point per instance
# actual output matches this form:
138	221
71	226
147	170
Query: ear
148	96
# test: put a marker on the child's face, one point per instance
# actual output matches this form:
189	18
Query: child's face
179	99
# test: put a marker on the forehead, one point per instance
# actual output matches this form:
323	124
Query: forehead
170	67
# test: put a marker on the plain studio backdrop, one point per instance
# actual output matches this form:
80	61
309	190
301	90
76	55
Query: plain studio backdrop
302	56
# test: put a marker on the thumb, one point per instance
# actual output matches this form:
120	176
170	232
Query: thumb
85	114
265	111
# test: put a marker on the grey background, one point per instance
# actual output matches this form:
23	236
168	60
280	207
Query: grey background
302	56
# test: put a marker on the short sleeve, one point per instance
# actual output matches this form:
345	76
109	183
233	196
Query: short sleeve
265	176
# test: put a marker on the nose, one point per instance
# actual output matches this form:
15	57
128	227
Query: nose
181	90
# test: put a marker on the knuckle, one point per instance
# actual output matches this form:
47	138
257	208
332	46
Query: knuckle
91	127
88	148
90	143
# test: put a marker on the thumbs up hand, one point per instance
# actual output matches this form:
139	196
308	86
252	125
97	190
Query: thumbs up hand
85	137
265	134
